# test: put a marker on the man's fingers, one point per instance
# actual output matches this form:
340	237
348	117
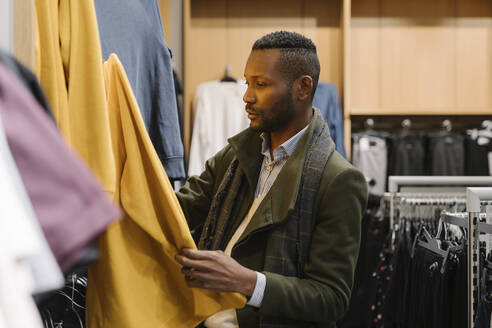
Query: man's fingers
200	255
198	274
195	282
192	253
190	263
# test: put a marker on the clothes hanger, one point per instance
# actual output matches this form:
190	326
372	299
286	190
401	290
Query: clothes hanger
48	320
227	75
406	124
432	245
447	125
487	125
369	126
486	129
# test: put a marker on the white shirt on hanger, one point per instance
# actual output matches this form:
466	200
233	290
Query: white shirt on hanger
219	114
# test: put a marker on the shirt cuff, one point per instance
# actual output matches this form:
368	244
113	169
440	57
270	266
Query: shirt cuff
259	291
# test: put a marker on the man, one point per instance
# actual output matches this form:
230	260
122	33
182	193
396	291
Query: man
281	208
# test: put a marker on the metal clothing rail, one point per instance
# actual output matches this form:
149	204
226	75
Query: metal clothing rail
461	219
474	196
427	183
399	186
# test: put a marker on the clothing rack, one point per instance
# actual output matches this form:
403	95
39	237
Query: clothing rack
399	186
474	189
436	183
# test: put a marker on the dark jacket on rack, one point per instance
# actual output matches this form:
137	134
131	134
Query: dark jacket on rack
319	295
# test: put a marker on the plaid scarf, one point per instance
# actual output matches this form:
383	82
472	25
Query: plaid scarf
224	207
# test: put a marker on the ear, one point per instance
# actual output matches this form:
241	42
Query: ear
304	86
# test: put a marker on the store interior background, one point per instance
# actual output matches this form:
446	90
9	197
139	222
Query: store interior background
390	59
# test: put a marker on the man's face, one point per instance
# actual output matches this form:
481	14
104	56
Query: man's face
268	99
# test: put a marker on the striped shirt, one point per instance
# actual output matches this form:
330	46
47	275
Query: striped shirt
270	168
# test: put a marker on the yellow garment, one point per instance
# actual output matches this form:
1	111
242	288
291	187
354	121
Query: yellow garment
69	66
136	282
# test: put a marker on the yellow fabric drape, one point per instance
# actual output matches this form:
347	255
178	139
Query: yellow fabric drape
137	282
70	68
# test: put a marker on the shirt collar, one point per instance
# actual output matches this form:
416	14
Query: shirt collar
285	149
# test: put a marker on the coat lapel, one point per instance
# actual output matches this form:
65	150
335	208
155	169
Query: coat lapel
247	147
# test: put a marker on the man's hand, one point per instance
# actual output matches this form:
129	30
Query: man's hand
216	271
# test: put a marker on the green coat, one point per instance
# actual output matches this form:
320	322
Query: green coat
322	297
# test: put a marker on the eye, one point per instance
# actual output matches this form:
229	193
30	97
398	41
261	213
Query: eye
260	84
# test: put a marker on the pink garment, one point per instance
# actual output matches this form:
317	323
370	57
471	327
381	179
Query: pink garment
68	200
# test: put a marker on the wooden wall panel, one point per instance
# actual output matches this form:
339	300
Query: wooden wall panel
365	55
474	56
207	44
421	57
418	61
205	51
166	17
244	21
398	55
322	23
249	20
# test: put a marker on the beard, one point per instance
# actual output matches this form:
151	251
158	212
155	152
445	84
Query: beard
273	118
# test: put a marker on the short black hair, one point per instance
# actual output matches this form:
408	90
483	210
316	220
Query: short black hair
297	55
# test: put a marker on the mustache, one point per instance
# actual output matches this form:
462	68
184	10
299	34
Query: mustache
251	109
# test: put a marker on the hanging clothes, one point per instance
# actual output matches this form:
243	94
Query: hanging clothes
425	290
46	273
375	228
406	154
137	282
446	153
370	156
68	201
133	30
69	67
326	100
22	246
484	311
478	154
219	114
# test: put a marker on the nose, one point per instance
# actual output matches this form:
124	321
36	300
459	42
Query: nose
249	96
